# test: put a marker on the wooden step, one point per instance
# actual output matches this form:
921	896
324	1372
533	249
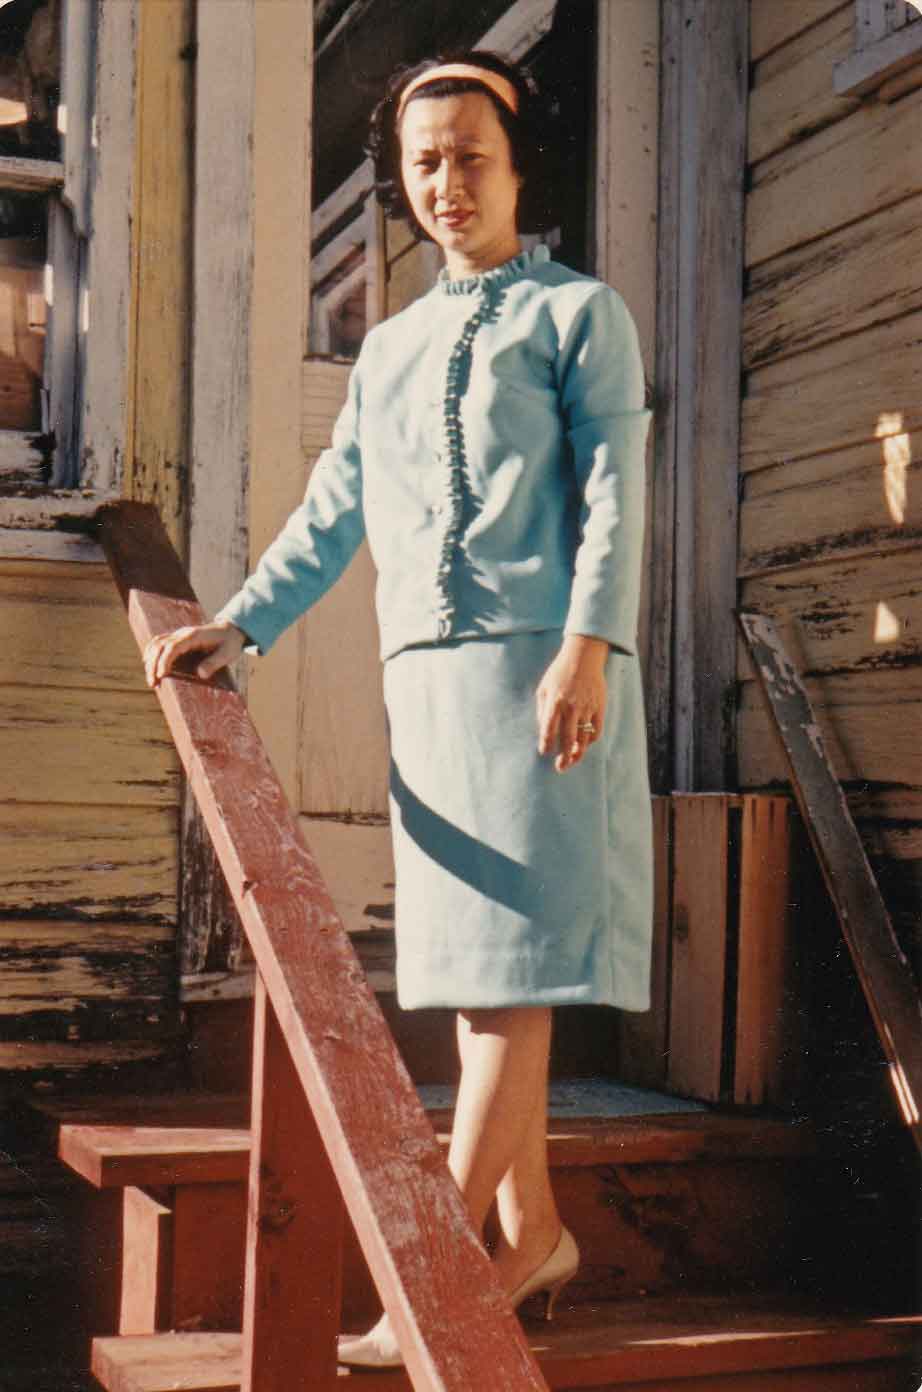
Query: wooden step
657	1203
717	1343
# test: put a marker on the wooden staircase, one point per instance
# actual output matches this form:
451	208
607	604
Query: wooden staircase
225	1247
693	1227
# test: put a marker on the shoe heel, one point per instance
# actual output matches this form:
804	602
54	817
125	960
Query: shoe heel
552	1293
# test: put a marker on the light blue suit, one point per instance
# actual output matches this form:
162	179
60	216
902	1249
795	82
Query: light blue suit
491	449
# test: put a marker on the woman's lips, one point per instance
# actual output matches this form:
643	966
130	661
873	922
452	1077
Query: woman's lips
454	219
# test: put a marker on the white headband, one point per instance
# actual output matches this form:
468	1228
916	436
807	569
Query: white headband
501	86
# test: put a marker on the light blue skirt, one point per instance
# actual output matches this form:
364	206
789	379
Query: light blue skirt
515	884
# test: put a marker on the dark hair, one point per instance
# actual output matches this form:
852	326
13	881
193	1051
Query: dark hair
529	131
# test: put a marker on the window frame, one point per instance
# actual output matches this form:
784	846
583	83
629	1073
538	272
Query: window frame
888	39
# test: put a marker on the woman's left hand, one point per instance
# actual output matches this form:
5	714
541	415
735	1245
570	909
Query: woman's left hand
571	698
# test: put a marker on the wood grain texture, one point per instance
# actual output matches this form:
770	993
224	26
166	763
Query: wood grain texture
695	1344
849	280
156	469
410	1218
868	722
879	961
121	864
147	1263
209	1237
845	615
869	509
85	981
792	94
865	161
294	1246
84	747
767	1005
773	24
107	354
221	425
835	396
699	944
63	626
710	46
111	1156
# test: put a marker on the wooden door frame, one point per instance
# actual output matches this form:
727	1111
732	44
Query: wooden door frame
691	653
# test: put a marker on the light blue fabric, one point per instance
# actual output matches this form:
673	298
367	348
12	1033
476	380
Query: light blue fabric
525	513
492	450
515	885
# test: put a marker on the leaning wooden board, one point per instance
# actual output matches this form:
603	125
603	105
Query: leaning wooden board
881	965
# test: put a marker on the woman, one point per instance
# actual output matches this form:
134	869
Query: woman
492	451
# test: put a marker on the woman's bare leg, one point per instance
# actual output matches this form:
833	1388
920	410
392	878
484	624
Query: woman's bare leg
499	1138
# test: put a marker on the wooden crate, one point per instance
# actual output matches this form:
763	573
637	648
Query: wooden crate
730	974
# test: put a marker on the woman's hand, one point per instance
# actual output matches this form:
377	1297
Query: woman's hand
223	642
572	697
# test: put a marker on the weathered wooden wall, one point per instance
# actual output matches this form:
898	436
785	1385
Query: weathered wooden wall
89	781
89	789
831	511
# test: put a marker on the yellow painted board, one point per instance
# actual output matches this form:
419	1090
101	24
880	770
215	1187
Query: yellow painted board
61	629
117	862
85	747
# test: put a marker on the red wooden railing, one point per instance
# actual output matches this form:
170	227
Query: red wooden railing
364	1139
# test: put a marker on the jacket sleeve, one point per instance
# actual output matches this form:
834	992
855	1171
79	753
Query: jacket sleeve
316	543
602	399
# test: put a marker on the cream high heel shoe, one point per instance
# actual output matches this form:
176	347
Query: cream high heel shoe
553	1274
376	1349
379	1348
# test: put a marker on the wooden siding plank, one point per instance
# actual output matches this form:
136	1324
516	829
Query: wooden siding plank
866	508
295	1227
881	966
862	163
776	22
64	626
851	391
767	1014
85	748
846	615
699	944
643	1038
85	981
792	96
119	864
848	281
868	721
357	862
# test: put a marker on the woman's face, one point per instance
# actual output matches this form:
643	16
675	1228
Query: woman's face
456	165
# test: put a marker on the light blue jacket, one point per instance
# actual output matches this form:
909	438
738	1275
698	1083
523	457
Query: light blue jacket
491	448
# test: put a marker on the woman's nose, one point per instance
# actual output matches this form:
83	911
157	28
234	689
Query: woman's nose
447	180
